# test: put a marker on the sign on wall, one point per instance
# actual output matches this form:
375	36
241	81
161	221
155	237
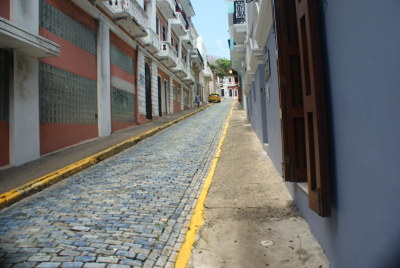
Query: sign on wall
141	79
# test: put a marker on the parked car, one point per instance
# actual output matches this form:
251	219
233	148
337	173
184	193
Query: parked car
214	97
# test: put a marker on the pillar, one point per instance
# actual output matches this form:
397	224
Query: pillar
103	80
24	90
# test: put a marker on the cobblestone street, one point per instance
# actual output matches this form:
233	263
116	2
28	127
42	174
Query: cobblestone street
128	211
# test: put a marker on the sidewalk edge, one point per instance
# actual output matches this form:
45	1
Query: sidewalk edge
14	195
197	219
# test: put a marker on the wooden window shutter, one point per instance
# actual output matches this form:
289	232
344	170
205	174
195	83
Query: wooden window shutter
294	164
314	105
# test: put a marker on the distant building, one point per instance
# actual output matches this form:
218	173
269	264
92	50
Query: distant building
227	87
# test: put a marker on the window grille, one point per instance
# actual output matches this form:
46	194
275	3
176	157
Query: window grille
66	27
120	59
65	97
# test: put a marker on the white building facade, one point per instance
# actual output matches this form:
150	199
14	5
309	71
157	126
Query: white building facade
77	70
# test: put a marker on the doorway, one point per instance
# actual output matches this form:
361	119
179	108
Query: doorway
166	96
149	112
159	96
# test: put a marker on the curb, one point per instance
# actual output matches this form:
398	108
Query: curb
197	219
12	196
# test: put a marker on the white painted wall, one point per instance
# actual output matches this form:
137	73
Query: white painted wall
24	110
25	13
151	12
163	96
103	78
182	98
154	88
171	96
24	90
141	86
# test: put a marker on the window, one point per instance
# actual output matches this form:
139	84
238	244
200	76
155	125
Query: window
301	85
184	54
174	43
157	26
163	33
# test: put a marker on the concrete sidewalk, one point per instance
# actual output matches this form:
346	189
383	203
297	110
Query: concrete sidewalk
21	181
250	219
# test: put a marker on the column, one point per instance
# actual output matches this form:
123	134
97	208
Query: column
171	94
24	90
182	104
141	92
103	80
154	88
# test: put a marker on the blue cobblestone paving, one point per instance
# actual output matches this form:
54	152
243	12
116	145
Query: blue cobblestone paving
131	210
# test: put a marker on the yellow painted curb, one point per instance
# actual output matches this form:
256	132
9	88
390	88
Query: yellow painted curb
197	219
12	196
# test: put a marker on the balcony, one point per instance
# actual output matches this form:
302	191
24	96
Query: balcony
263	23
239	52
167	54
129	15
181	69
197	59
239	23
256	55
207	73
178	24
151	41
189	79
167	8
239	33
188	40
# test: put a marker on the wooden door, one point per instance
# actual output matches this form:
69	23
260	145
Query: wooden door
312	72
294	166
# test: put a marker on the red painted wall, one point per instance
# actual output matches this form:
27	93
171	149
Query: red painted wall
5	9
122	74
142	119
115	126
75	12
4	143
75	60
58	136
177	106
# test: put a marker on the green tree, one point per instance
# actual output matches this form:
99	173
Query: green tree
221	67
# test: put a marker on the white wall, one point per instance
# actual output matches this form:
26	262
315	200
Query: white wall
103	77
141	86
24	90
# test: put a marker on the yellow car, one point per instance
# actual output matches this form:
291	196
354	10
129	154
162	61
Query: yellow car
214	97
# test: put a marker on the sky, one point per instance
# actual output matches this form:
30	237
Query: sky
211	22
